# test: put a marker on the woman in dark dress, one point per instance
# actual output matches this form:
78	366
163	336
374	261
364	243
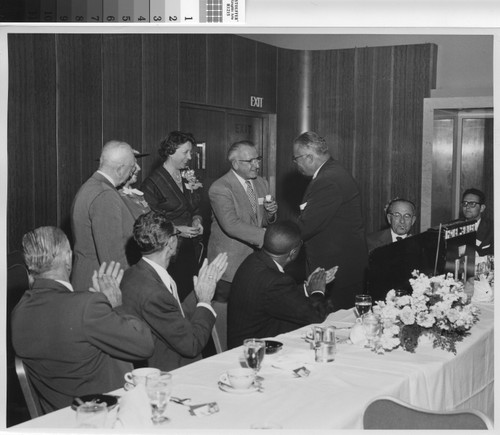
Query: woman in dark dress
173	189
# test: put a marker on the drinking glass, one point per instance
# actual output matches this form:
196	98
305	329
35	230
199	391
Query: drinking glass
371	326
363	304
159	390
254	350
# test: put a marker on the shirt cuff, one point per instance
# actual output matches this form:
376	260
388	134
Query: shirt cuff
207	306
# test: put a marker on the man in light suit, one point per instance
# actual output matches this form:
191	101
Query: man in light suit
331	220
401	215
240	213
100	220
73	342
180	331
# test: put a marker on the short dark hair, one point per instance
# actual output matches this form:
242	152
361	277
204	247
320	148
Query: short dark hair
174	140
473	191
313	141
152	231
281	237
236	146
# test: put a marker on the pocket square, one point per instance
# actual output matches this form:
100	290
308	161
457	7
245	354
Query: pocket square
303	206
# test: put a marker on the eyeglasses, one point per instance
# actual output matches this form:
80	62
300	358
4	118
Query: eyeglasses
252	161
470	204
295	158
398	216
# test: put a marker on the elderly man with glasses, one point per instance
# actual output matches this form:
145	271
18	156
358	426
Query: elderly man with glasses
401	216
242	207
473	207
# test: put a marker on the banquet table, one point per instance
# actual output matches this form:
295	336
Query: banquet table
333	396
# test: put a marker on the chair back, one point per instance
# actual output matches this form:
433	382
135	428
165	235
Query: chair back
390	413
30	395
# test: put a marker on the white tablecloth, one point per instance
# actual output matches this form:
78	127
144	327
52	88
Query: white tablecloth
335	394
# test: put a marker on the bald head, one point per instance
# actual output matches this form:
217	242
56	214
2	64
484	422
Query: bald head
281	238
117	161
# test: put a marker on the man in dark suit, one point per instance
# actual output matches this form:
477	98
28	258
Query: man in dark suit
180	331
264	300
100	220
331	220
473	207
73	343
401	215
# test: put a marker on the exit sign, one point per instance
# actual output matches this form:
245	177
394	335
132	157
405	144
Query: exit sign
256	101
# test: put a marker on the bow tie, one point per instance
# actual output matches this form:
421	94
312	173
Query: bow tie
131	191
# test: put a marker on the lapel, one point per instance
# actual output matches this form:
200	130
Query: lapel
241	193
183	197
322	170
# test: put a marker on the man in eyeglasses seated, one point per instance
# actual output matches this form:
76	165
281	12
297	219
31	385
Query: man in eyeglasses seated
401	215
180	331
240	215
473	207
265	300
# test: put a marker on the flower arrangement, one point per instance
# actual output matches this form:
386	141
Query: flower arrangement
438	308
192	182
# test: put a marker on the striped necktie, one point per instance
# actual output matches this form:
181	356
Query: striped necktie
251	196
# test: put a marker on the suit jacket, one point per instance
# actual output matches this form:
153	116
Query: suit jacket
235	228
162	194
485	235
378	238
332	228
177	340
265	302
102	227
75	343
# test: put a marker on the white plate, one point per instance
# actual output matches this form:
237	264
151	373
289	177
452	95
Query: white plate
228	389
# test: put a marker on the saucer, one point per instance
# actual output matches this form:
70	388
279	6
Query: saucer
228	389
128	386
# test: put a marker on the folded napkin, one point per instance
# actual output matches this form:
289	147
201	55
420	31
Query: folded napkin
291	361
482	291
135	410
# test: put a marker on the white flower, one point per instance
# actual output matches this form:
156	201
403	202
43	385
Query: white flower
407	315
425	320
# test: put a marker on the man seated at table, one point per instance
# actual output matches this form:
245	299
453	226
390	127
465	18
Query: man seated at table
401	215
264	300
180	331
73	342
473	207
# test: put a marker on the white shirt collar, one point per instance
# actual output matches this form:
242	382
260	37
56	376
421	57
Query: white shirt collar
317	170
395	236
107	177
162	272
66	284
242	180
280	268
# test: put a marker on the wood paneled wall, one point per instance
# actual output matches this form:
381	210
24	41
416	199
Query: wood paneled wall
368	104
69	94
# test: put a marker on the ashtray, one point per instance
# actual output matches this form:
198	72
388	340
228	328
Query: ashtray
272	346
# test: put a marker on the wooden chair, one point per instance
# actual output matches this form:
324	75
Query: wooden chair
390	413
29	392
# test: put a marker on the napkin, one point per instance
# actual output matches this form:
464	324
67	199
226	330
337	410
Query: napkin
482	291
135	410
293	360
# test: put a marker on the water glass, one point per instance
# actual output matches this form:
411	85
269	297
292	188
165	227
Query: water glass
159	390
324	351
254	350
371	326
91	415
363	304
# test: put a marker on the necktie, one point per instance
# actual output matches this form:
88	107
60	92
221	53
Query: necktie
251	196
398	239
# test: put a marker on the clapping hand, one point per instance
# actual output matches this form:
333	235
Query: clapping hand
209	274
330	274
107	281
271	206
316	281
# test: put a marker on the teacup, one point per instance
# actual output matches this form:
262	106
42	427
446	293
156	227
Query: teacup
138	376
240	378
